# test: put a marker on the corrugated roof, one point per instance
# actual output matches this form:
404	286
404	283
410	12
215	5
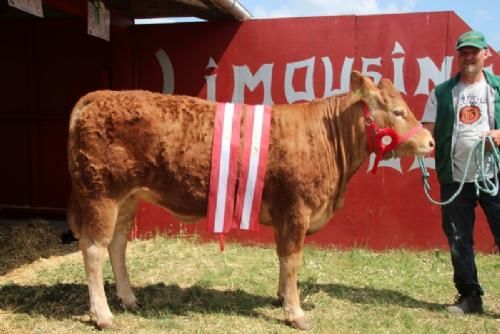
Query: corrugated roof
210	10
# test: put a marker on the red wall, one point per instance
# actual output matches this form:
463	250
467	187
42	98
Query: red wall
46	65
383	211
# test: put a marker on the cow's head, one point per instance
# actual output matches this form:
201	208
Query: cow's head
391	115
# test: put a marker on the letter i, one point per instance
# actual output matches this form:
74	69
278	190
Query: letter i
211	79
398	67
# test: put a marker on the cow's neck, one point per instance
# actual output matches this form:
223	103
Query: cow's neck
348	132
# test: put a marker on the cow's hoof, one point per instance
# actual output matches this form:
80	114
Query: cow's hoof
299	324
130	306
104	324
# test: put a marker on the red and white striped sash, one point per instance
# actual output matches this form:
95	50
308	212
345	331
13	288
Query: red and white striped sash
223	172
224	210
253	167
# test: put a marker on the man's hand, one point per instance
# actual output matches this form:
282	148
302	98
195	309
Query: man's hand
494	134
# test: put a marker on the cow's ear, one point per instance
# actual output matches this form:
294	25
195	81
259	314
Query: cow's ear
387	85
359	86
356	81
362	86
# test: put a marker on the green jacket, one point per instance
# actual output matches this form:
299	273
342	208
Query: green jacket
445	121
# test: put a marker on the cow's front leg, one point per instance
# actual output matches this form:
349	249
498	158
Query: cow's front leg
290	245
288	292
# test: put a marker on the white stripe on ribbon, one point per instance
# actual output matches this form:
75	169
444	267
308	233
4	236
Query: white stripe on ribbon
253	167
227	128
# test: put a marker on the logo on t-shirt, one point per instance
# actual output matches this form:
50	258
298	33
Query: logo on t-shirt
469	114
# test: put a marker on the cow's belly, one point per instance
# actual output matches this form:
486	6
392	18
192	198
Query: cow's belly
319	217
192	213
184	214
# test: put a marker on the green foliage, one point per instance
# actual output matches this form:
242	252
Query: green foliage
190	287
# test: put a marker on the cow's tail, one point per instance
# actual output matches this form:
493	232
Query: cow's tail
74	215
74	211
73	135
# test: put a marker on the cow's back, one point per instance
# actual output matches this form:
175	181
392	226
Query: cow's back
121	141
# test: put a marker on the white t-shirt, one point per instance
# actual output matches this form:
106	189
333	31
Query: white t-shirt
472	120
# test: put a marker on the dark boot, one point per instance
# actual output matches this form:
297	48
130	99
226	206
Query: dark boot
466	304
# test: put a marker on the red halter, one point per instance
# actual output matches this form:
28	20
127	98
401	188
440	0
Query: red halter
381	141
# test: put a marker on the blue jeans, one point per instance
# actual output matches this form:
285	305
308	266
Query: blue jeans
458	220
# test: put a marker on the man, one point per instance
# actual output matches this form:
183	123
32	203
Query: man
459	112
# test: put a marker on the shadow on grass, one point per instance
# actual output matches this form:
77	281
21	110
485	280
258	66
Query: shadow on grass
369	295
62	301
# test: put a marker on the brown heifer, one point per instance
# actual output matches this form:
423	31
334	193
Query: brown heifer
124	146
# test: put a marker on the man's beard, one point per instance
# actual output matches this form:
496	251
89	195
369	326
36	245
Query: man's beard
470	69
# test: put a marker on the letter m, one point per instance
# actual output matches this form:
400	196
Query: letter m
244	78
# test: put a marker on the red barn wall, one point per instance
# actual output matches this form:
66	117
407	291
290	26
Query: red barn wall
308	56
47	64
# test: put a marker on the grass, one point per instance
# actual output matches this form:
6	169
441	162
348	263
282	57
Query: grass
190	287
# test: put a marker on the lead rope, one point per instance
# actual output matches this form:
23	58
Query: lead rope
484	160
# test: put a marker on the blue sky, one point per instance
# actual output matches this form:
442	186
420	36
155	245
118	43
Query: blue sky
481	15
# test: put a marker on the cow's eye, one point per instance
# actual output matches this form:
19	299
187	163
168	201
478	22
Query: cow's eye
399	112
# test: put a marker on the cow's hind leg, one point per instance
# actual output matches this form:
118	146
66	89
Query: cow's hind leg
117	249
290	234
98	218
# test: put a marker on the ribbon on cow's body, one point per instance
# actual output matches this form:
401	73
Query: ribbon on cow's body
224	210
253	167
226	141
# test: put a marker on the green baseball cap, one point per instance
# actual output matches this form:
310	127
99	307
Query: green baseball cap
472	38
